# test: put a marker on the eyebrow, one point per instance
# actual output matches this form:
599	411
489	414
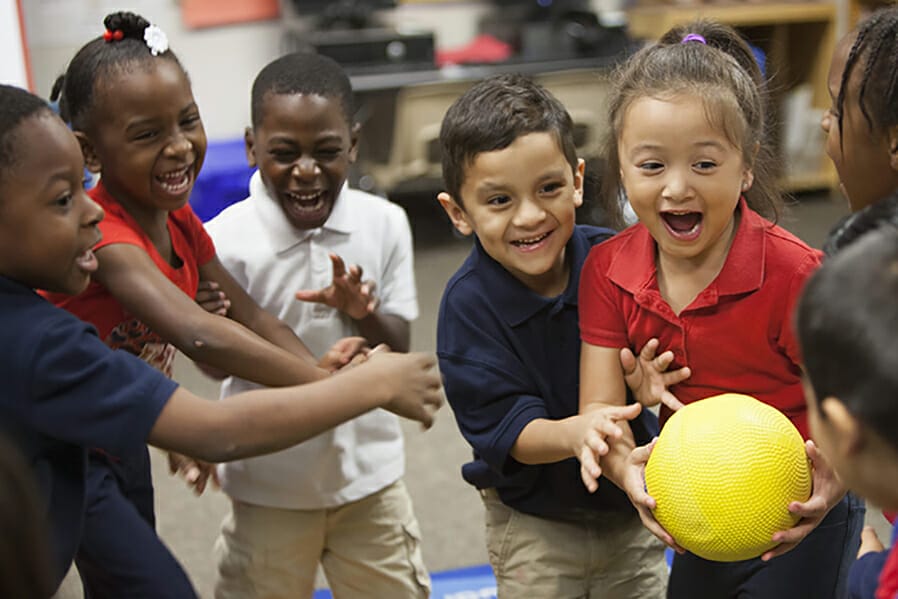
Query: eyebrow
699	144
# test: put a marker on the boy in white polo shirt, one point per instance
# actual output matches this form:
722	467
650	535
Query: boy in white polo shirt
337	499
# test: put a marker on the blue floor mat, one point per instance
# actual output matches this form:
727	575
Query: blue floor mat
474	582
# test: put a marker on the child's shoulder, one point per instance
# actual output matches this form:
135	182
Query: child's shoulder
785	247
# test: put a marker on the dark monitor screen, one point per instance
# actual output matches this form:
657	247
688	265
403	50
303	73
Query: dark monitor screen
341	14
317	7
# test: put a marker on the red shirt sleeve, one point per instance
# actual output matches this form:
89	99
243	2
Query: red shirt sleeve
602	321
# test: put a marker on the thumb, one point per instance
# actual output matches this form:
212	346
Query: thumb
627	361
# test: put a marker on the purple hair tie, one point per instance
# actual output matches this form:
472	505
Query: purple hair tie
693	37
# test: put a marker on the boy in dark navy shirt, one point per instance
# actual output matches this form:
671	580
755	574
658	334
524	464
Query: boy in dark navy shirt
65	390
509	349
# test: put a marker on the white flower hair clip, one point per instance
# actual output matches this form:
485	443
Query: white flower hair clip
156	40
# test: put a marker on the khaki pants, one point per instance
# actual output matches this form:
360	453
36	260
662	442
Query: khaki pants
599	557
367	548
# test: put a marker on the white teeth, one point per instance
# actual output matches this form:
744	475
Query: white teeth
531	240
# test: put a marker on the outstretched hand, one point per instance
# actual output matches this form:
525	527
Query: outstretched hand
593	430
212	299
342	353
195	473
346	293
634	487
827	491
414	380
648	377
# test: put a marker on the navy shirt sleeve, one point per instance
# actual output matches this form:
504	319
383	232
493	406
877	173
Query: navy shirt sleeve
75	389
486	384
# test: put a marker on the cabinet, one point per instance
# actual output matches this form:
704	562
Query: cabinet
797	38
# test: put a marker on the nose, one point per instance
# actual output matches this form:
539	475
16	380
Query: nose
92	212
529	213
305	167
180	145
676	185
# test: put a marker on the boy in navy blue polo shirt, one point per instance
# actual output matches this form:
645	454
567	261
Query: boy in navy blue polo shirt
509	349
64	390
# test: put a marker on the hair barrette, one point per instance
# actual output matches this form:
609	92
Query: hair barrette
155	39
116	35
693	37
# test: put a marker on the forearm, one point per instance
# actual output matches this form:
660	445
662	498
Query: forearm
544	441
380	328
229	346
279	333
265	420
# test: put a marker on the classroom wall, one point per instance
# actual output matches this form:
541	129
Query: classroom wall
221	61
13	69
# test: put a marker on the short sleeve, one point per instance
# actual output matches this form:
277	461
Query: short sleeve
82	392
203	246
602	322
788	337
398	293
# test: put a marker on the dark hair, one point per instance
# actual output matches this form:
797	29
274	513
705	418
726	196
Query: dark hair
16	105
25	549
874	49
883	213
302	73
99	58
724	72
846	319
495	112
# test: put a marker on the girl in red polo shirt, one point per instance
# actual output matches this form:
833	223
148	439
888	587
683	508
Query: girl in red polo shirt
712	280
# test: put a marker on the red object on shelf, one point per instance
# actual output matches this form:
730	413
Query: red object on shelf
211	13
482	49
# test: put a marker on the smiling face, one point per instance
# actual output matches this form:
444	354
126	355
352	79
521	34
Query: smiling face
303	146
145	136
682	176
521	202
862	157
48	224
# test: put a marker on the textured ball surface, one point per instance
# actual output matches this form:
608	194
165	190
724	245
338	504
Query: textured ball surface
723	473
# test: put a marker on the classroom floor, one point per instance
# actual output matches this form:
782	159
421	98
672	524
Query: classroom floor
449	511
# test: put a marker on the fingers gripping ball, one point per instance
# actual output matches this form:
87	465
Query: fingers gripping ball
723	473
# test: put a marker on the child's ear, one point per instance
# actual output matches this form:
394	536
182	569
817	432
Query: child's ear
91	161
848	432
456	213
354	142
249	143
893	147
579	174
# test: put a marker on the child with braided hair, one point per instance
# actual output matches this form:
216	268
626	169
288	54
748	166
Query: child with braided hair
130	104
861	131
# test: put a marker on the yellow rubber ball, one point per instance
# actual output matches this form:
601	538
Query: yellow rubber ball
723	472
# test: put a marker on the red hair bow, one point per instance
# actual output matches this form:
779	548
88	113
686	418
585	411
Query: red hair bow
111	36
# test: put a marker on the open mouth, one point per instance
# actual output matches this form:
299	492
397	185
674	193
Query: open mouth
306	202
531	243
175	182
87	260
684	226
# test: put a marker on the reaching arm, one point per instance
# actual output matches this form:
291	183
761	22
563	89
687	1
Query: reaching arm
267	420
247	312
135	281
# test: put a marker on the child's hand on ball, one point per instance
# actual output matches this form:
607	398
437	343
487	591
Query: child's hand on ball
634	487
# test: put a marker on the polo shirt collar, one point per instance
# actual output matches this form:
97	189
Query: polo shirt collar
517	303
633	267
281	234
